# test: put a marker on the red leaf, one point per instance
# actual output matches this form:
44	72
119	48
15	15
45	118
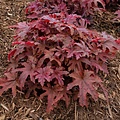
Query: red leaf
42	38
109	43
63	95
27	70
22	29
54	94
43	74
90	5
97	65
16	43
77	50
96	39
31	87
19	50
117	41
86	85
75	65
58	74
72	19
11	53
29	43
49	19
10	81
81	50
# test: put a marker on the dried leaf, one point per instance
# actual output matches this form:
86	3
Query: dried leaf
6	108
101	96
2	117
27	112
13	106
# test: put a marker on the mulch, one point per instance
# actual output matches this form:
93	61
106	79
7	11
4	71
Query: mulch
20	108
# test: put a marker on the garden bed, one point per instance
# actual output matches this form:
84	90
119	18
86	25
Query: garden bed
20	108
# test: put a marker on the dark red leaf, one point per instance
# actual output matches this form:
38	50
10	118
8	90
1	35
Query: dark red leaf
11	53
58	74
117	41
29	43
27	70
10	81
54	94
31	87
86	85
16	43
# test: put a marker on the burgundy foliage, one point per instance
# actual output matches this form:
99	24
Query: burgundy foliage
55	52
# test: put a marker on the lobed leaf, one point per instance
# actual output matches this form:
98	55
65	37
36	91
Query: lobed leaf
86	83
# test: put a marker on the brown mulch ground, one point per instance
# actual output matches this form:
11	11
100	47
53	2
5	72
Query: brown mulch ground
19	108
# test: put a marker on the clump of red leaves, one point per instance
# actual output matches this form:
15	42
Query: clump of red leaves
56	53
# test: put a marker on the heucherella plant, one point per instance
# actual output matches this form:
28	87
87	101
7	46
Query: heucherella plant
56	53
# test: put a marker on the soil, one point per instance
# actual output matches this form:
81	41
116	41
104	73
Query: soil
19	108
